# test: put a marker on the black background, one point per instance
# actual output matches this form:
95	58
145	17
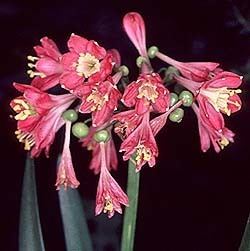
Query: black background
190	201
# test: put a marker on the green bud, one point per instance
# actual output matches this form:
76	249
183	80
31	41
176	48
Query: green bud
101	136
152	51
177	115
173	98
80	130
140	60
124	69
70	115
170	73
187	98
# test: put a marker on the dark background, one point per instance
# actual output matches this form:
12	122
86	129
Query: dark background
190	201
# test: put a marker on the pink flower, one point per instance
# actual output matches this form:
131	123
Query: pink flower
148	91
48	64
65	174
134	26
86	60
100	99
109	195
197	71
212	130
219	91
141	142
39	117
111	156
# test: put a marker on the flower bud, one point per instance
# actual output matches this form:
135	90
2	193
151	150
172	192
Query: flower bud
173	98
80	130
101	136
140	60
177	115
187	98
152	51
70	115
124	69
170	73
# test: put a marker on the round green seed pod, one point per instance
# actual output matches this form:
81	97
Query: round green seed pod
173	98
101	136
80	130
124	69
152	51
177	115
187	98
70	115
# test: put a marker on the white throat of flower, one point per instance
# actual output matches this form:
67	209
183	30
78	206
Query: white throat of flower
219	98
148	91
87	65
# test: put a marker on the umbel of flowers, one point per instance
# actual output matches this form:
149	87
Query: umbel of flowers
94	79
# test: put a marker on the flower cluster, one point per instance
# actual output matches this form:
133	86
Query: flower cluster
136	112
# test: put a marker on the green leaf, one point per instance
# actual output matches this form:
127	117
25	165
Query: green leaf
30	234
76	231
129	222
245	242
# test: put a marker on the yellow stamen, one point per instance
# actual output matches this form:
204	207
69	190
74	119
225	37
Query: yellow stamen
142	153
31	58
23	109
148	91
223	142
35	73
98	99
108	207
87	65
25	138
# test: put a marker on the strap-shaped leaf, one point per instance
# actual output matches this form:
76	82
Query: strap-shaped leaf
245	242
129	222
30	234
76	231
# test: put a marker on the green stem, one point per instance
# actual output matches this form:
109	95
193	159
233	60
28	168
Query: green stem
129	222
245	242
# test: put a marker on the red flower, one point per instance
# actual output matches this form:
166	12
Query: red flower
218	91
65	174
141	142
148	91
100	99
111	156
197	71
48	64
212	128
86	60
39	117
109	195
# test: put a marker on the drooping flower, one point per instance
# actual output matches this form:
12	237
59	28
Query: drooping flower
212	129
91	144
196	71
100	99
219	91
65	174
109	196
147	92
86	60
47	64
141	142
39	117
